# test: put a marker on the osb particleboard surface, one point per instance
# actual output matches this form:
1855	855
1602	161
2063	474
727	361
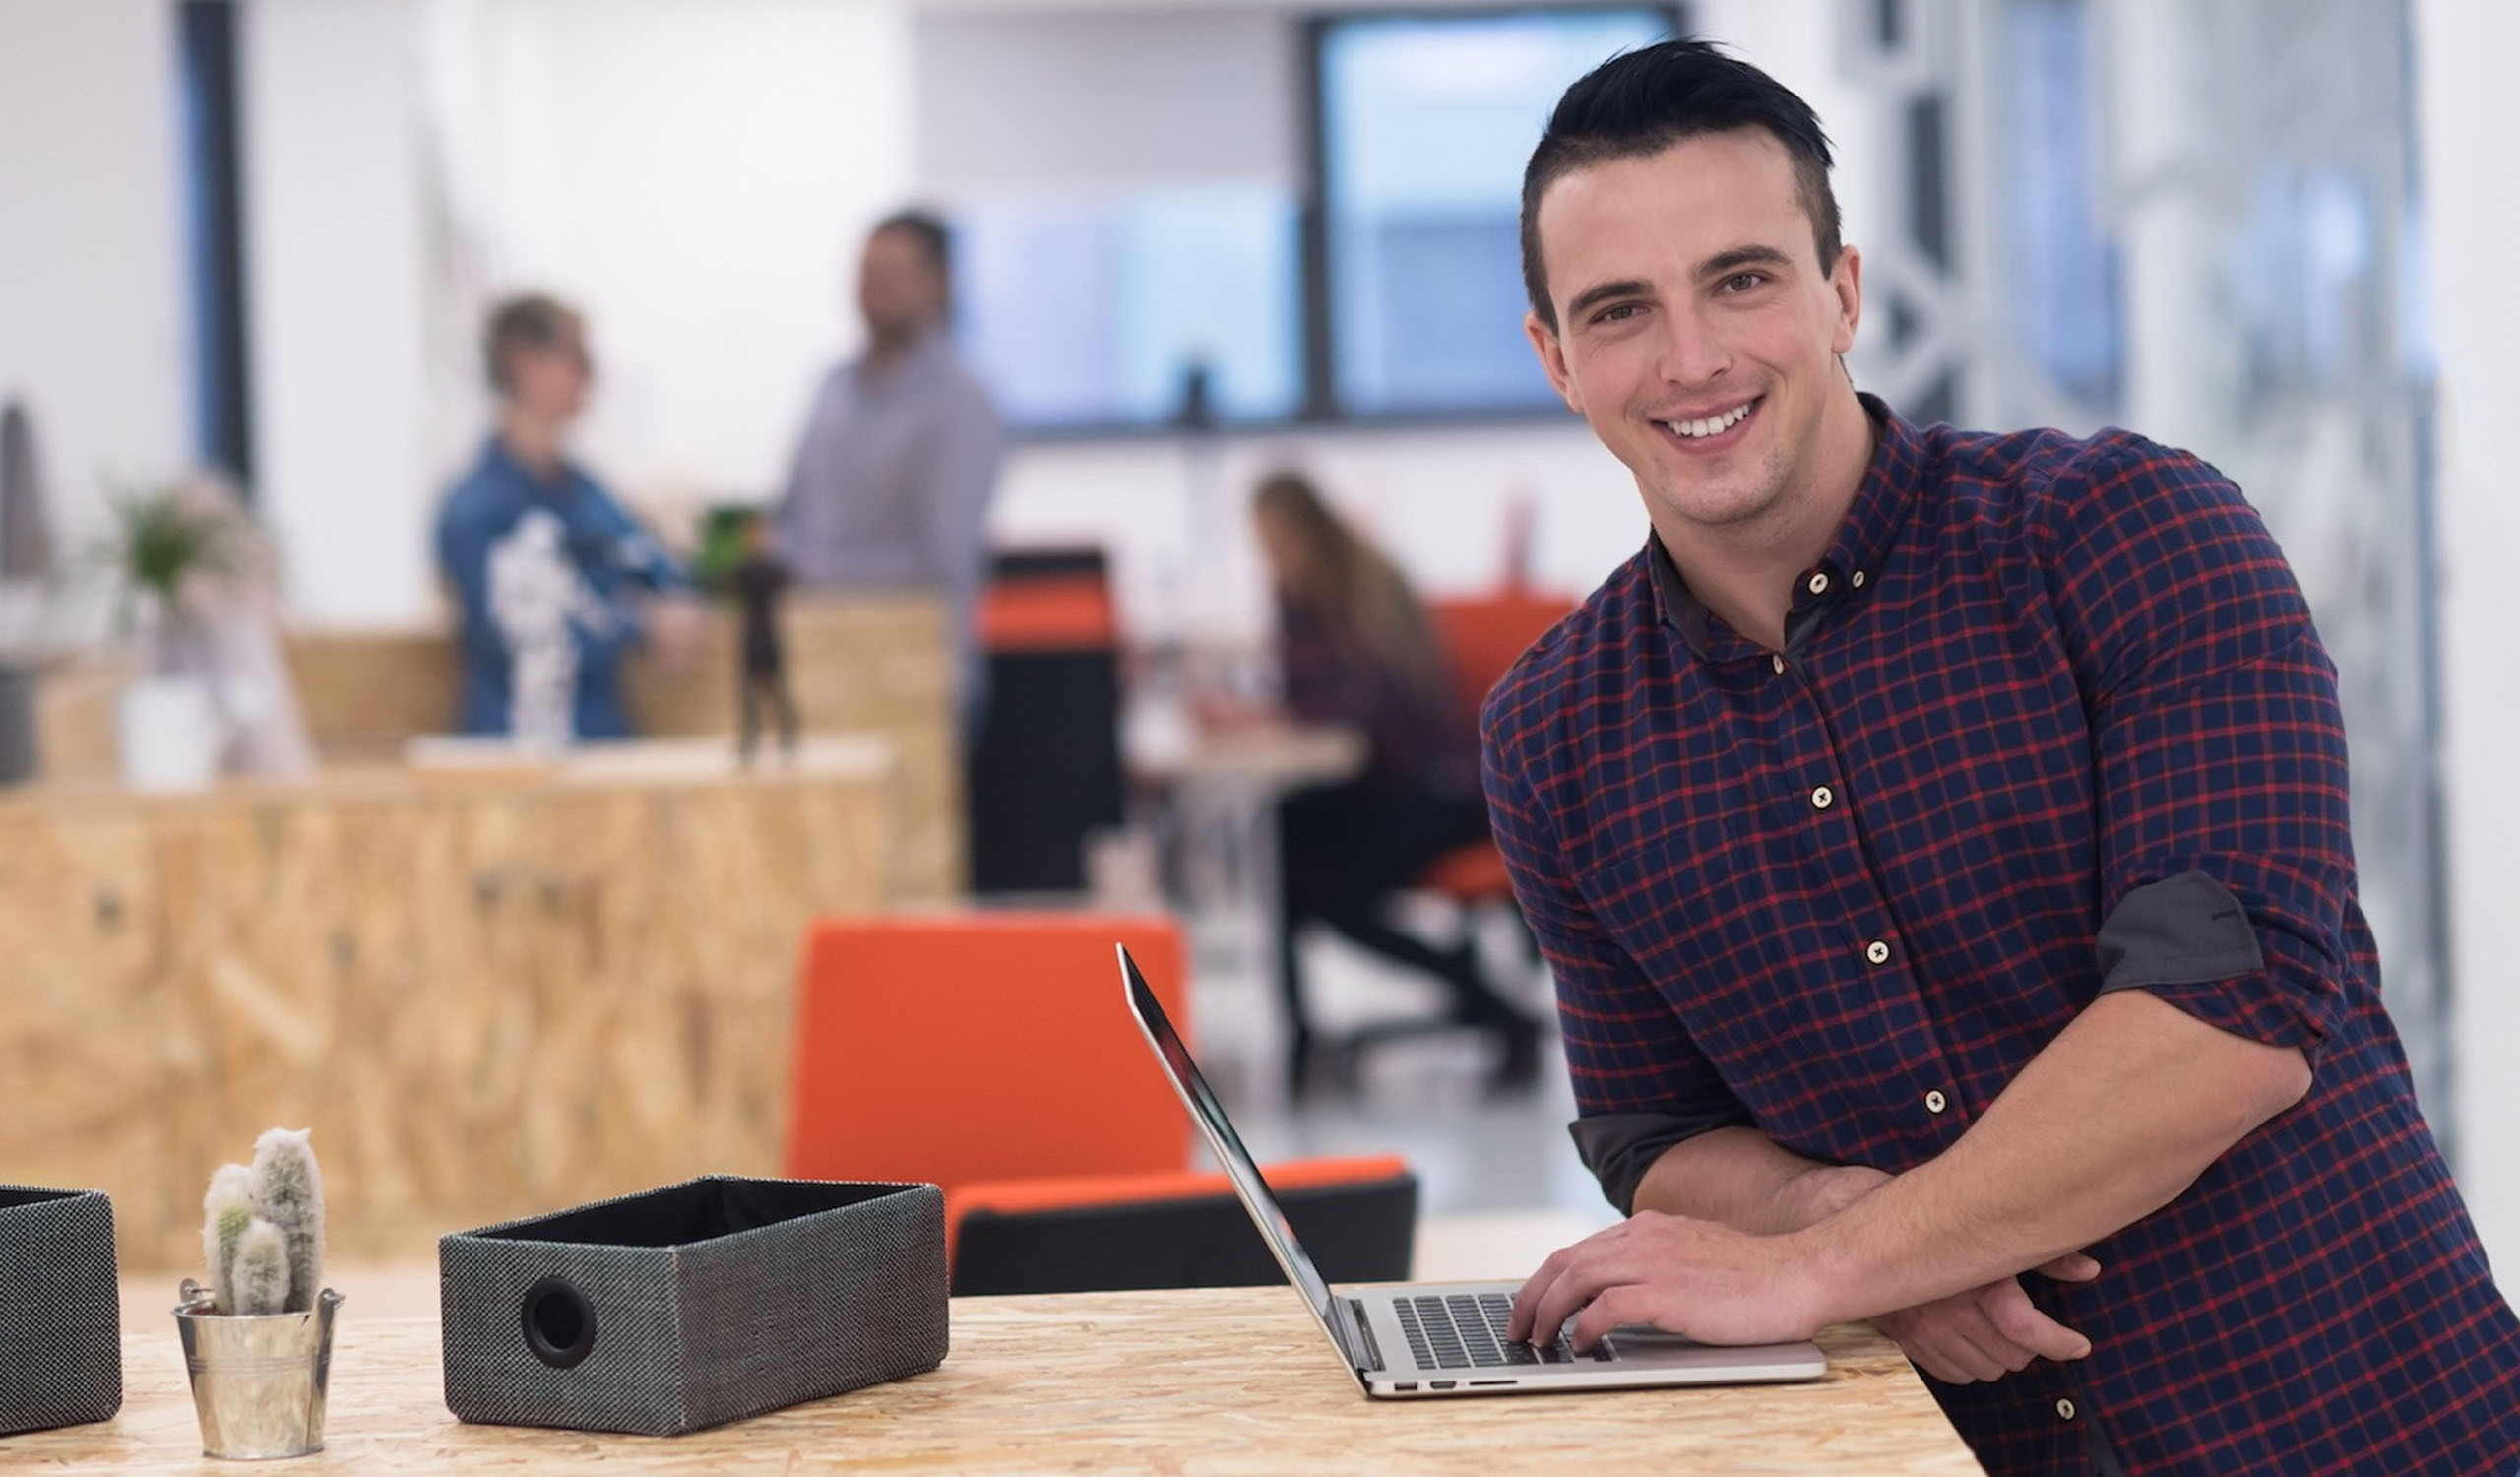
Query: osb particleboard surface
1210	1384
867	662
486	997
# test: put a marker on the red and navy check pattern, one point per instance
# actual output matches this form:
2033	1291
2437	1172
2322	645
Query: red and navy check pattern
2031	675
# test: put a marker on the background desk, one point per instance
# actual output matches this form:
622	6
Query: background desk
1225	1382
489	993
857	663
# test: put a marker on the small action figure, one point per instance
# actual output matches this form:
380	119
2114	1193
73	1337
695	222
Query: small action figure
758	583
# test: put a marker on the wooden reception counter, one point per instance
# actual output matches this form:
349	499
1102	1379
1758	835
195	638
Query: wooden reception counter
1225	1383
490	991
870	663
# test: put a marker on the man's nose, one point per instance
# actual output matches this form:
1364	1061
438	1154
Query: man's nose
1693	353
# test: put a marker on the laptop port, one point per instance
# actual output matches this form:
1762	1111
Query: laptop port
1407	1384
1439	1385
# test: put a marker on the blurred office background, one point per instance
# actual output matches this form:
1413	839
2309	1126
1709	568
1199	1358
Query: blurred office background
1201	240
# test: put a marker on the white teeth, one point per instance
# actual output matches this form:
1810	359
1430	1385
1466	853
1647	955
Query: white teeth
1694	429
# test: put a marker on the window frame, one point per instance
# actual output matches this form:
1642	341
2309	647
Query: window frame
1318	406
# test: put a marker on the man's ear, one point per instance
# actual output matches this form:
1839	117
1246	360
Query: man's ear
1847	281
1552	360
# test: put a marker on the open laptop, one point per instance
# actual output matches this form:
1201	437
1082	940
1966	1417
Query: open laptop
1417	1340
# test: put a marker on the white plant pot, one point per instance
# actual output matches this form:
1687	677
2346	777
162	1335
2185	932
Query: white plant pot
170	733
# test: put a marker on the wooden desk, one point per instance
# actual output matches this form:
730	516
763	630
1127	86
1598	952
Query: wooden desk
1218	1382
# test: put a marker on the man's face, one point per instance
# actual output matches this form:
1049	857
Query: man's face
551	381
899	290
1696	331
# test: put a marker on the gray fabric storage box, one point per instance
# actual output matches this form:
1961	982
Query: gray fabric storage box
60	1308
701	1302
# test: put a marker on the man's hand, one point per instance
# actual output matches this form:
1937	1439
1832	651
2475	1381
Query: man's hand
1989	1331
1985	1333
1982	1333
1698	1278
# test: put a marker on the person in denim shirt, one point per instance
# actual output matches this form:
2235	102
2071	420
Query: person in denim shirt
547	568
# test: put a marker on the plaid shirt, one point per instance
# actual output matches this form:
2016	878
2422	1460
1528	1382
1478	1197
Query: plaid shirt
1847	893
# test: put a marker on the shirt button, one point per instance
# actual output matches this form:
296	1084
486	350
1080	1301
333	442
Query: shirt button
1778	662
1856	579
2064	1410
1823	798
1819	583
1935	1102
1877	952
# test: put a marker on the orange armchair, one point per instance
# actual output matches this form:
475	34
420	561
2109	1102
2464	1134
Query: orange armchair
991	1053
1483	637
981	1046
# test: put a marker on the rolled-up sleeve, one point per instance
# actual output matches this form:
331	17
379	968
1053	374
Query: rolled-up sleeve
2226	847
1641	1084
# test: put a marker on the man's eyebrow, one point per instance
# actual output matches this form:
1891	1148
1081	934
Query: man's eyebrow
1726	263
1601	293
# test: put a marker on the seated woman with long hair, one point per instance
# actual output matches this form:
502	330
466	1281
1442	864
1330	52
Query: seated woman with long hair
1356	647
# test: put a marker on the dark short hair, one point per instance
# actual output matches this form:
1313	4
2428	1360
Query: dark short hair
532	320
934	237
1642	102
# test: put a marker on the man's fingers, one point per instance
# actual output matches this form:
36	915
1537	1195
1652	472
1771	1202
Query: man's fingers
2017	1320
1519	1326
2073	1266
1939	1346
1629	1303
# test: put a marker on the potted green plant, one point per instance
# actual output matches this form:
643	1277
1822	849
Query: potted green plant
258	1340
164	545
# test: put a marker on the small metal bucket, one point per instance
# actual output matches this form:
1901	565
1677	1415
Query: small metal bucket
258	1383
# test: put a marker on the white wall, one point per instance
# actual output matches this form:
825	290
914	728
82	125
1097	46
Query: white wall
697	177
2464	93
92	331
330	92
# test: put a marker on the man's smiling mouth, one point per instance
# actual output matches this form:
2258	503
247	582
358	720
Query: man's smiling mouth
1710	425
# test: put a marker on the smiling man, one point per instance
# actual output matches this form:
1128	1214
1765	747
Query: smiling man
1940	842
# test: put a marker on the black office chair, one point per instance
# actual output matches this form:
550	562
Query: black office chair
1045	770
1357	1221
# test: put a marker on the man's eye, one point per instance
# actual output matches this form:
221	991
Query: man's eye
1742	281
1617	312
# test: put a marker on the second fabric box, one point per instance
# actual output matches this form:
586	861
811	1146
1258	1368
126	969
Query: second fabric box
701	1302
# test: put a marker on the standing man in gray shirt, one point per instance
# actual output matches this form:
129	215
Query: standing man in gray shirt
892	478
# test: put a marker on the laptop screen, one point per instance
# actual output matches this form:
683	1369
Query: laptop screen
1275	1229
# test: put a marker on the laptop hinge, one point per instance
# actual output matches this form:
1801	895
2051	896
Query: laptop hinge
1365	1336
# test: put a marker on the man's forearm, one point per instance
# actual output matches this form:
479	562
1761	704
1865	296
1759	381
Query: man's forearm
2112	1121
1743	1179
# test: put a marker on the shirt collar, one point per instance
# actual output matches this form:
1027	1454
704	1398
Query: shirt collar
496	456
934	344
1854	557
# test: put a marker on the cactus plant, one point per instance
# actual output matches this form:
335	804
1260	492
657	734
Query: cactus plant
263	1228
288	1193
226	1210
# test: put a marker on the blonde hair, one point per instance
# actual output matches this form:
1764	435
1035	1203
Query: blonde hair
1352	588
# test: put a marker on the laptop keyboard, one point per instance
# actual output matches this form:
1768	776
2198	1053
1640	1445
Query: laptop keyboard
1466	1330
